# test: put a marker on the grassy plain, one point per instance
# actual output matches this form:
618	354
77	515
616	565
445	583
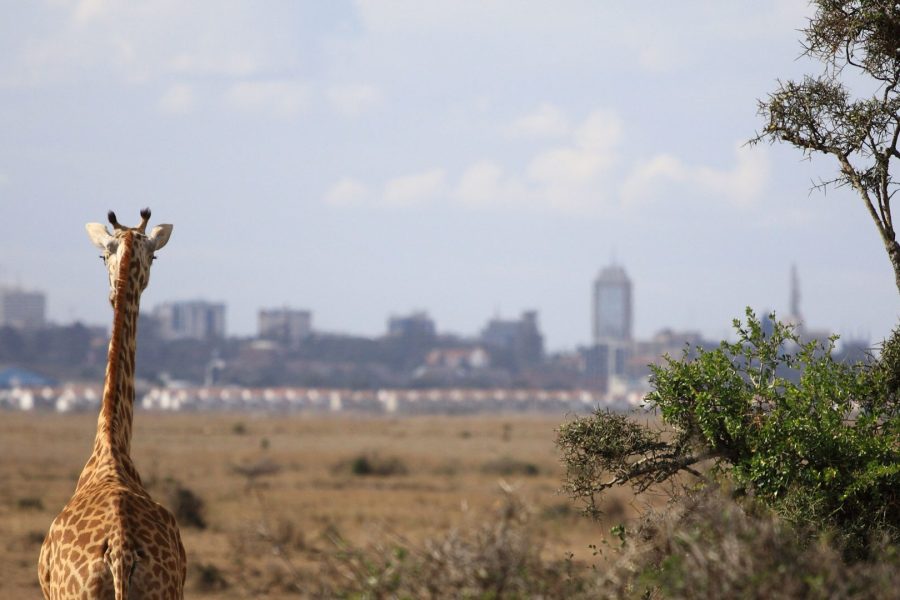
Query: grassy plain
300	478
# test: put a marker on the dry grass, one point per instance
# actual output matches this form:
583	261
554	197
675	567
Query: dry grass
232	461
706	545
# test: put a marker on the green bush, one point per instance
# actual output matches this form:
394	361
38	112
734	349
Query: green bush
782	421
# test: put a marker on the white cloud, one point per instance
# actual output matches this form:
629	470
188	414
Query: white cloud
658	58
582	177
145	41
400	192
354	100
573	178
546	121
590	154
88	10
600	132
279	98
652	180
451	17
177	100
347	192
484	184
566	166
410	190
568	179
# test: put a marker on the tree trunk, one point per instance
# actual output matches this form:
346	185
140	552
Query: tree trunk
893	250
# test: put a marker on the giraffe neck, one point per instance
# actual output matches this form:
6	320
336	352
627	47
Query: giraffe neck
112	444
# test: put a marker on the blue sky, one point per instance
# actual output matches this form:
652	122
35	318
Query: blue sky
361	159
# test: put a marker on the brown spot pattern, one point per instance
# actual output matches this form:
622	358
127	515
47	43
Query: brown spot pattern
111	531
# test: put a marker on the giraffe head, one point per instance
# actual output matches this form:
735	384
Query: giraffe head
115	247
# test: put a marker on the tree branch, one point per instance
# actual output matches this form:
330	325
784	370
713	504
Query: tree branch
857	183
650	466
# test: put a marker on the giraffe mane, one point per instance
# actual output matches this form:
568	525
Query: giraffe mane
118	325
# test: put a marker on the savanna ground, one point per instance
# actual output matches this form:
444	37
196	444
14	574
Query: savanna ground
298	484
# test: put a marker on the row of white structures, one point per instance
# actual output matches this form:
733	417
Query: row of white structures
70	398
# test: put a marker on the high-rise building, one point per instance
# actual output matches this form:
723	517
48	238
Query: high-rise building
611	307
192	320
22	309
285	324
418	326
520	338
611	312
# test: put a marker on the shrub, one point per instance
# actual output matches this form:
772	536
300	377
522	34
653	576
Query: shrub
30	503
499	558
365	465
207	577
493	556
707	546
188	507
815	439
256	470
508	466
34	538
559	510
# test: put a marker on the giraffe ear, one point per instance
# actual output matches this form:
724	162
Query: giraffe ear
160	235
99	234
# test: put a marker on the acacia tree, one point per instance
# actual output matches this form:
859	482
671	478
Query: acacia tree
815	439
857	40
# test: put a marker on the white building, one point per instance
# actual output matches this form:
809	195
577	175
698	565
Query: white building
193	320
284	324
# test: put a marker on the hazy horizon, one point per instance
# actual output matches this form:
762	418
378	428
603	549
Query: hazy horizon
362	159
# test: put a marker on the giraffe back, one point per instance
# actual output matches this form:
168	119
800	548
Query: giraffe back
113	542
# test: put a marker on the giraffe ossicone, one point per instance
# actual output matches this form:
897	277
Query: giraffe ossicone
112	540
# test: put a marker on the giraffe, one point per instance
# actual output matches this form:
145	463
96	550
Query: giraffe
112	540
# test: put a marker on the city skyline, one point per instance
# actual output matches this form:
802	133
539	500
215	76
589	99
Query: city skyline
359	159
611	308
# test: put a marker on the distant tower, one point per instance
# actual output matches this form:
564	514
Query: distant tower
794	316
795	293
611	306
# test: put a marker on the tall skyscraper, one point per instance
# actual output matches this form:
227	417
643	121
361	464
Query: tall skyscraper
612	315
611	307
